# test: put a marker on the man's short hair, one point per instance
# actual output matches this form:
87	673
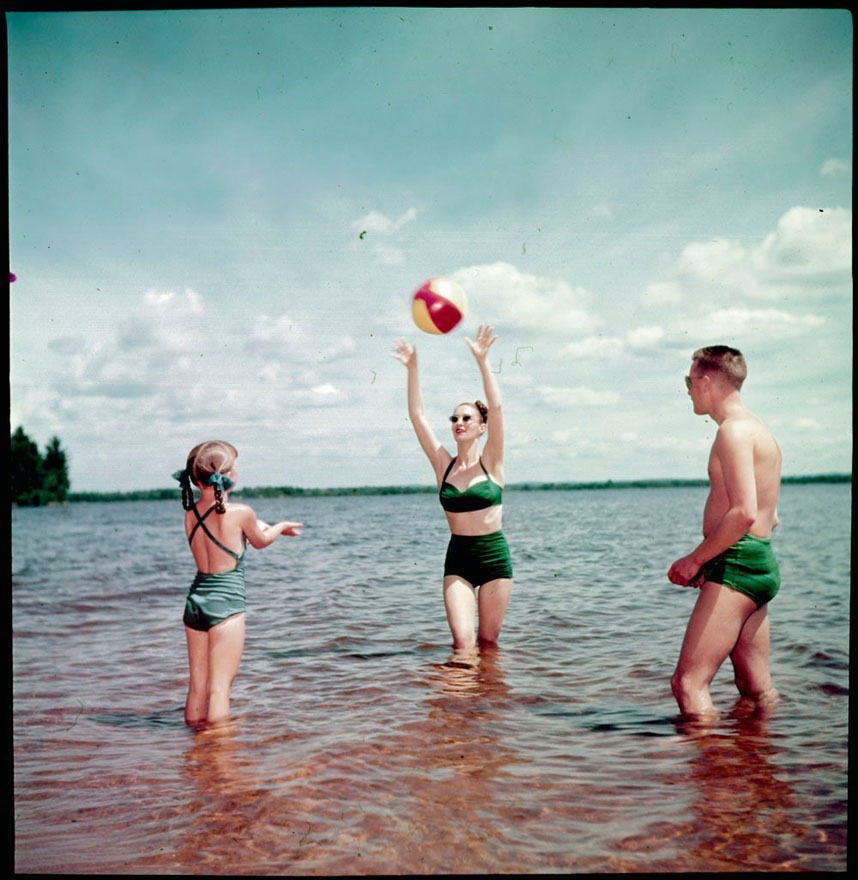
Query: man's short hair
722	359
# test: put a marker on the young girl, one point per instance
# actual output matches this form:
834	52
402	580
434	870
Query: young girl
214	609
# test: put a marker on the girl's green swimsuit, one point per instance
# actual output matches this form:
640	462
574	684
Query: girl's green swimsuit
749	567
214	596
476	558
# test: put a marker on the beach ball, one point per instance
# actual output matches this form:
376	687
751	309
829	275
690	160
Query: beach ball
438	306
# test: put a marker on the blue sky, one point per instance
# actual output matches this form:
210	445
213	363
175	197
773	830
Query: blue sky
217	219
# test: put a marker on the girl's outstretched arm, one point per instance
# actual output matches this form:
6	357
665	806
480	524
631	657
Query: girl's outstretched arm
435	452
259	534
493	450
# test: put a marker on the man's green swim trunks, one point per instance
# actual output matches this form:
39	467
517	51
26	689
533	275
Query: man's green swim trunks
749	567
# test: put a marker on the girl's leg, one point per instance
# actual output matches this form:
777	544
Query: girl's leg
196	704
493	599
460	604
226	642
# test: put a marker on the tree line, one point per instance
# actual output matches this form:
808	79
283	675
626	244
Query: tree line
42	479
37	479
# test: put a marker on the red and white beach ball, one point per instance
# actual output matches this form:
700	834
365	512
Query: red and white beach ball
438	306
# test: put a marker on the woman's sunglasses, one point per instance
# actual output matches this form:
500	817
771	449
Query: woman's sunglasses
455	419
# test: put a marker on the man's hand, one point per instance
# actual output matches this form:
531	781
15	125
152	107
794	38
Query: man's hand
686	572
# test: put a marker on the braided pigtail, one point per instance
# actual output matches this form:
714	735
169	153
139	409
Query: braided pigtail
220	482
187	491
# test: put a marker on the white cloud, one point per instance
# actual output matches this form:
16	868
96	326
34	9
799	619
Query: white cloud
272	336
806	424
67	345
808	244
639	340
835	166
376	223
189	302
501	293
166	321
662	293
269	373
711	260
325	394
375	229
594	348
808	254
387	254
339	349
645	337
554	396
602	210
734	324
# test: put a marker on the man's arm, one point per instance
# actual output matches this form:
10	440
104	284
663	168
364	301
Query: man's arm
734	450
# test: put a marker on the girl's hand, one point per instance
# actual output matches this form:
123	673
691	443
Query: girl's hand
405	352
485	340
292	529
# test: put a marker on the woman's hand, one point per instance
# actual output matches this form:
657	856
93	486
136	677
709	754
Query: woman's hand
485	340
404	352
292	529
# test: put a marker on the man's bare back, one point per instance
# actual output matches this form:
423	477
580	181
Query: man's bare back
766	457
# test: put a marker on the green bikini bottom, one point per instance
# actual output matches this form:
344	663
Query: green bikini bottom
214	597
748	567
478	559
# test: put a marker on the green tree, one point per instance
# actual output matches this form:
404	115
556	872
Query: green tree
26	468
56	471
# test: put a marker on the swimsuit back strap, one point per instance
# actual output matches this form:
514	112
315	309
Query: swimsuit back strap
484	468
199	521
201	524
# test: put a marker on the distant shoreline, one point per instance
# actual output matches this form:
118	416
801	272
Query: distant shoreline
296	491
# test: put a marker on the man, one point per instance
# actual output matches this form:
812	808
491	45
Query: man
733	566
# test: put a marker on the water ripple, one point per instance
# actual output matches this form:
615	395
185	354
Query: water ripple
357	746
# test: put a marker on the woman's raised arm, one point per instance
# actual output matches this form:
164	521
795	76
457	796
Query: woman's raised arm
493	450
406	354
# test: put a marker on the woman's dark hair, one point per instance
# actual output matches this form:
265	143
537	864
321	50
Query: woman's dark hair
481	408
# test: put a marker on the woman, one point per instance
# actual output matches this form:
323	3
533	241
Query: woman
470	489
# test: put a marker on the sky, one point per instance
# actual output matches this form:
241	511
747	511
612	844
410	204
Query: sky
218	219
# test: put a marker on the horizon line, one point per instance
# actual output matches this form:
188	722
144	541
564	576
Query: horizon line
418	488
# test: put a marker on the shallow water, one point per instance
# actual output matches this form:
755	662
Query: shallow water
354	749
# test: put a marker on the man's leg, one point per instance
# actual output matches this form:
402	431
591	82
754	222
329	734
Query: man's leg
711	635
750	658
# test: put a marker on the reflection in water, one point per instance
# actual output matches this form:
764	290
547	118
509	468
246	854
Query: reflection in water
742	812
460	801
362	751
465	705
223	794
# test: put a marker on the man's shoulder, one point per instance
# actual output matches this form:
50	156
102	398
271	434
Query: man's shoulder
738	422
744	426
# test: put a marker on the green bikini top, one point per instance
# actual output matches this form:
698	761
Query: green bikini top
486	493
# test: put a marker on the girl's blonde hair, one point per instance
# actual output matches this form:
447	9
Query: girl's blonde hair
205	460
